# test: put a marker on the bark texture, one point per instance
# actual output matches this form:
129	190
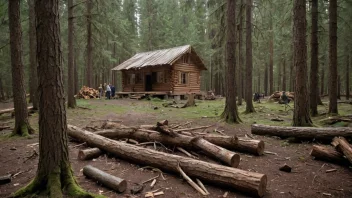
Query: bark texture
302	132
22	126
244	181
341	145
33	79
347	86
314	64
301	116
333	57
104	178
71	101
249	58
327	154
54	173
230	113
240	58
89	74
90	153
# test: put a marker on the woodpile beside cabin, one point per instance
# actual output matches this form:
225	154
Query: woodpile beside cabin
169	72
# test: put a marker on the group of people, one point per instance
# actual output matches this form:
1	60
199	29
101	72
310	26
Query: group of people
109	90
257	97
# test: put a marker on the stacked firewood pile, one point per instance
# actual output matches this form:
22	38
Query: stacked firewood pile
276	96
341	153
132	143
87	93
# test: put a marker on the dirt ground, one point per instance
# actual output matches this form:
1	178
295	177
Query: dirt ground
307	179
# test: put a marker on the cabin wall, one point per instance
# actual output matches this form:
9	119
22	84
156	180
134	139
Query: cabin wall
192	70
139	86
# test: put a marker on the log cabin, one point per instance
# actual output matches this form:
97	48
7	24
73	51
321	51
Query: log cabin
168	72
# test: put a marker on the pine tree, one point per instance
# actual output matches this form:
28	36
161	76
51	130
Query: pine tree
249	61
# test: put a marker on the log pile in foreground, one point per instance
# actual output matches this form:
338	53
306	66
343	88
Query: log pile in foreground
87	93
240	180
310	133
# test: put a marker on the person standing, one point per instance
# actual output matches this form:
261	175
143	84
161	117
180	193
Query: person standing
112	87
100	91
108	91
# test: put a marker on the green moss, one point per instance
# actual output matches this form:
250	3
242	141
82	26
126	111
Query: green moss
28	191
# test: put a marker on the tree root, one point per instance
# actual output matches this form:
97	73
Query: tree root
58	184
23	130
230	116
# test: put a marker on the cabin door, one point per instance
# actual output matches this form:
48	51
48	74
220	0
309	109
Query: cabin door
148	82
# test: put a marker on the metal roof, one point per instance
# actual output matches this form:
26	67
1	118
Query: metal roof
158	58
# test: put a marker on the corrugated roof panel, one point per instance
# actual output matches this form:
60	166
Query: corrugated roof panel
153	58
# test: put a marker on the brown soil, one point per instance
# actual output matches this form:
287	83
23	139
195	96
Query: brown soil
307	179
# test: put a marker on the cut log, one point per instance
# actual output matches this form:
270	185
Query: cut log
179	141
10	110
327	154
5	179
166	130
162	123
343	146
230	158
4	127
90	153
302	132
252	146
240	180
192	129
106	179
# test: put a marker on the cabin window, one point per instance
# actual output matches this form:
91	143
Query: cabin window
160	77
139	79
183	78
132	79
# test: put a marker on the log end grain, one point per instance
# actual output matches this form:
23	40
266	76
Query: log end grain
260	147
262	186
235	160
88	154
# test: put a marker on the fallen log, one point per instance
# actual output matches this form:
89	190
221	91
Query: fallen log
106	179
240	180
177	140
10	110
343	146
327	154
4	127
302	132
252	146
90	153
230	158
192	129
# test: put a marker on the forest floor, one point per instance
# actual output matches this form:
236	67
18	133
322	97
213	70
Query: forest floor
307	179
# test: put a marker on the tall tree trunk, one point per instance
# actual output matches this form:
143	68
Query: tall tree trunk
54	172
22	126
249	58
89	74
230	113
301	116
314	65
259	81
266	80
2	93
240	58
291	76
75	64
279	77
347	86
339	87
71	101
333	57
322	80
284	75
33	79
271	62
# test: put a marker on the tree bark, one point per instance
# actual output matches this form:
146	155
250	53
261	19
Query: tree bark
249	58
240	69
322	81
22	126
230	113
183	141
333	57
284	75
76	71
271	58
88	154
246	145
302	132
89	70
71	101
327	154
347	86
2	93
33	79
291	76
252	183
266	80
338	87
54	172
104	178
341	145
301	116
314	64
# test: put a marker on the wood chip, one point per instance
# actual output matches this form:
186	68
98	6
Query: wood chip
151	194
271	153
153	183
225	194
327	194
331	170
